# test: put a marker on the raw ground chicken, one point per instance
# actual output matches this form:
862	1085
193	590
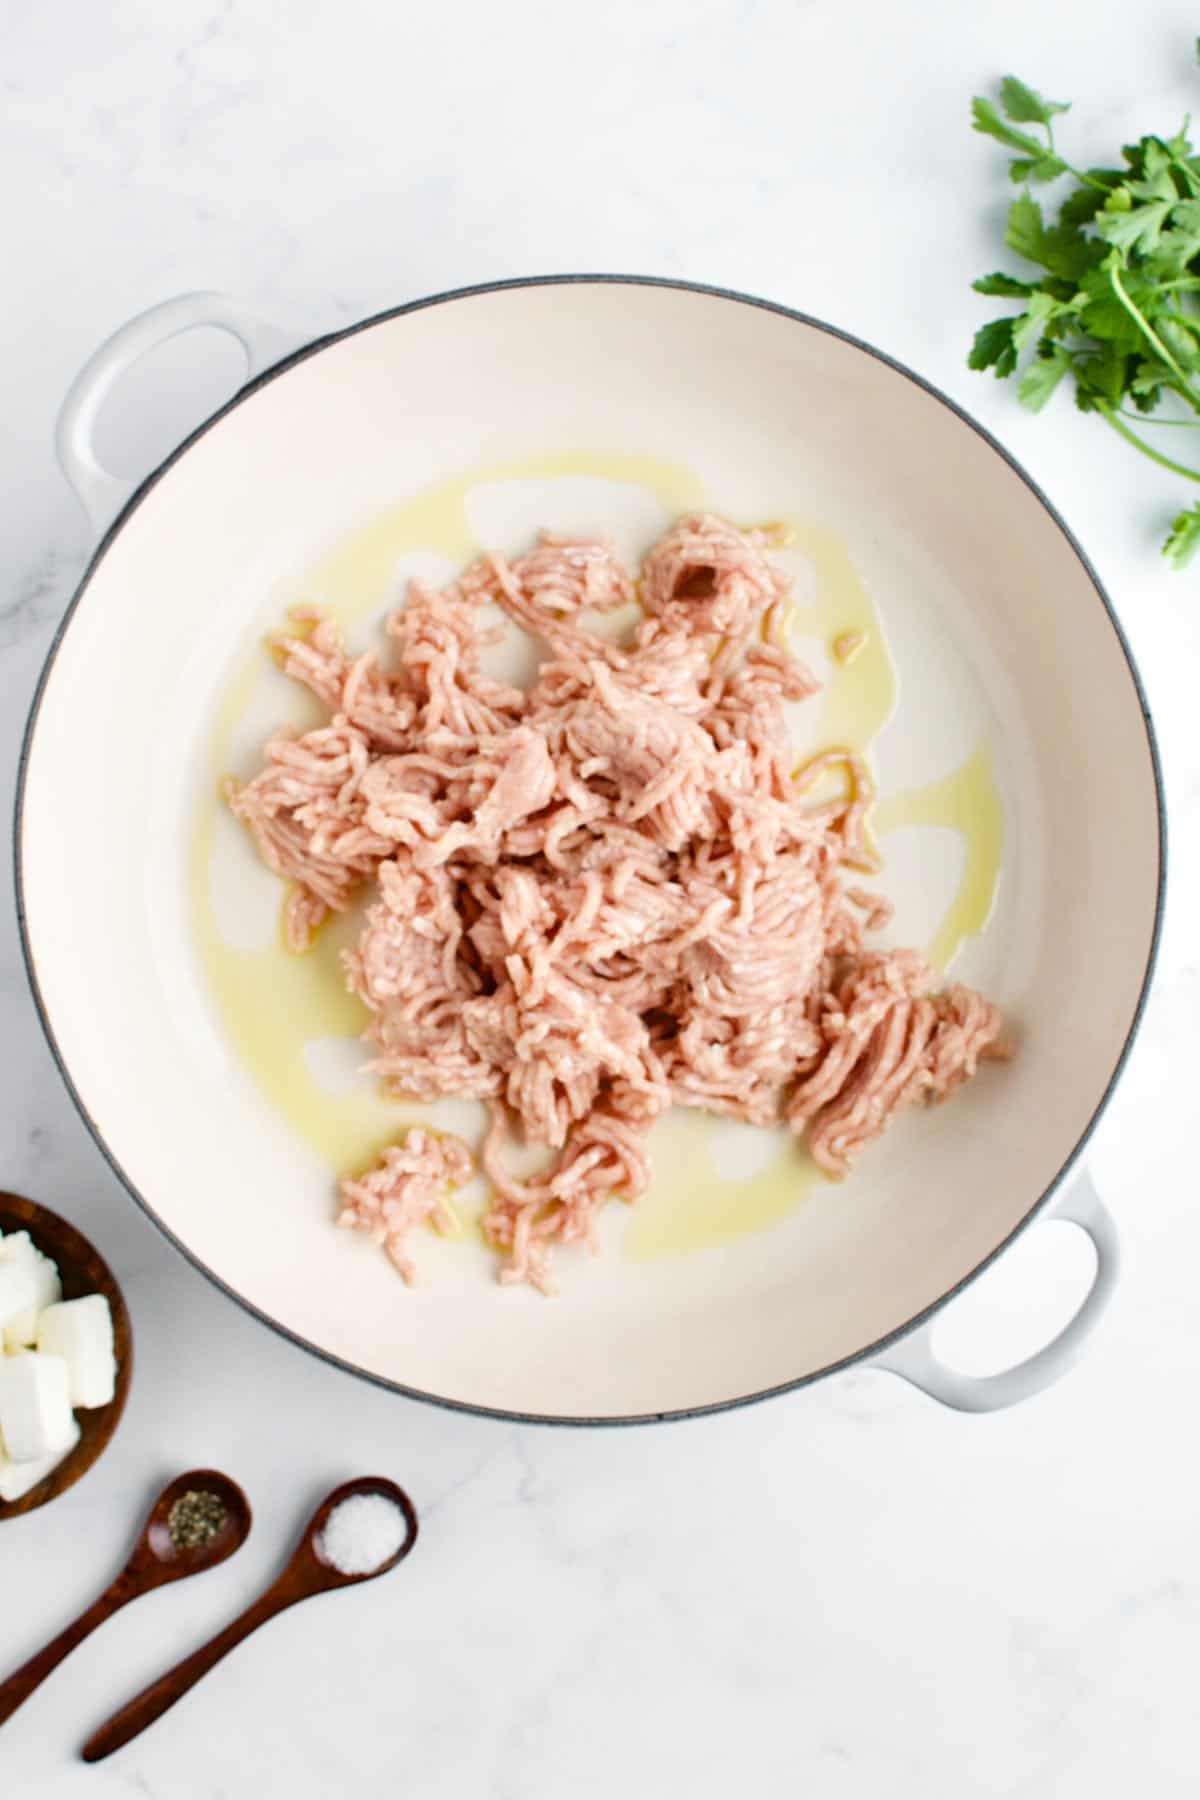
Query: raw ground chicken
600	896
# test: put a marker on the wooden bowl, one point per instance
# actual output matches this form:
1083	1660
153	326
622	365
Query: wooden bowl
83	1271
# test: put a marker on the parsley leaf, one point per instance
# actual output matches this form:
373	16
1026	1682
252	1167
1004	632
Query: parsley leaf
1100	378
1156	182
1035	168
1063	250
994	348
1148	382
1135	228
1184	539
1111	285
1038	321
1103	314
1001	284
1085	202
1041	378
1025	106
988	120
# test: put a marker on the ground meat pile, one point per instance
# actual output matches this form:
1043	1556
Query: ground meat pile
600	896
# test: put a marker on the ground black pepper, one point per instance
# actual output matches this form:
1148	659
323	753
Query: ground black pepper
195	1519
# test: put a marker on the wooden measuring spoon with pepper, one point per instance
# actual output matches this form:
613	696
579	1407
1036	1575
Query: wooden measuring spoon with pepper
198	1521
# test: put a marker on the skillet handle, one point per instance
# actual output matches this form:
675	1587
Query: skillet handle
914	1359
102	493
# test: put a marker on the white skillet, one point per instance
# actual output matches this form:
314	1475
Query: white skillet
998	625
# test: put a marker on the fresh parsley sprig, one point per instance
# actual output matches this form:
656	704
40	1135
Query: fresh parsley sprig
1114	304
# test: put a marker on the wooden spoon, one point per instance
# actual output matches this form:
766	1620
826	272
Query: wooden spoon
309	1572
156	1560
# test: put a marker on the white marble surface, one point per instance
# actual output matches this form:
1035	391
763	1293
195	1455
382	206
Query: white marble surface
848	1592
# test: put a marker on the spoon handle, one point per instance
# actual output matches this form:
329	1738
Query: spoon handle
153	1701
31	1674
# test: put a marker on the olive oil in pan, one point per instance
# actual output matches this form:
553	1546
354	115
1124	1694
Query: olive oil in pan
353	583
967	801
691	1205
276	1007
859	696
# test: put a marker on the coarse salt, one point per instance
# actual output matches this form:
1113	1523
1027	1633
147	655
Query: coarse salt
362	1533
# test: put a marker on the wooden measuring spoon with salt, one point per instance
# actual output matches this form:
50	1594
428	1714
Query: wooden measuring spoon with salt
198	1521
317	1566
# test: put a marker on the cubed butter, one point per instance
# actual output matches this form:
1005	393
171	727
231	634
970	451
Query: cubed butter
35	1406
17	1478
81	1332
18	1295
21	1328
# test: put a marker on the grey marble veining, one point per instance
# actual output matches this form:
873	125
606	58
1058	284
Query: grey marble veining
846	1592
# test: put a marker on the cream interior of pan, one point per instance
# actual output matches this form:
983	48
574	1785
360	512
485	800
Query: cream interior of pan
1017	819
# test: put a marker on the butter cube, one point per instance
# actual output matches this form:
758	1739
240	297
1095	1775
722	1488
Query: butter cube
18	1246
35	1406
18	1250
81	1332
17	1478
18	1296
21	1328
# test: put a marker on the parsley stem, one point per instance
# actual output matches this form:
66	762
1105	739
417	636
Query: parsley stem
1148	331
1131	437
1188	173
1082	177
1148	419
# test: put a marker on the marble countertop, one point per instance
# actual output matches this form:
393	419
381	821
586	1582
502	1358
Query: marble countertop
849	1591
